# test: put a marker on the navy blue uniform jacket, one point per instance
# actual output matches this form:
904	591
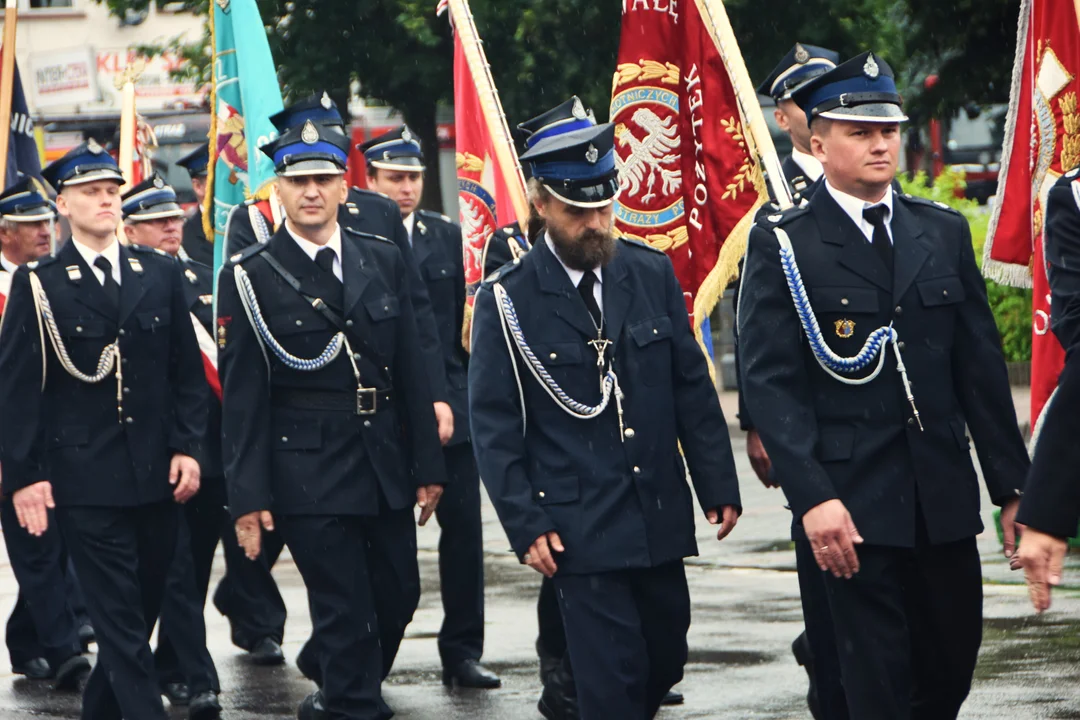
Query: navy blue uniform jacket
616	505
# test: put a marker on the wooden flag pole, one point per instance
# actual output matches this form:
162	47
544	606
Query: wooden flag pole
494	117
125	83
7	83
716	20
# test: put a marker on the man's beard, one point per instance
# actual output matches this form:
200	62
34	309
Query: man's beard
589	250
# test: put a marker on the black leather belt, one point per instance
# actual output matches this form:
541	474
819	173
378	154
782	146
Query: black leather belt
365	401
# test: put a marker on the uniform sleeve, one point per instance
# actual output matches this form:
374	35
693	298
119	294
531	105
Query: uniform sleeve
245	415
410	383
22	442
699	420
744	414
238	232
457	252
775	382
186	376
497	429
1051	500
982	384
496	252
430	345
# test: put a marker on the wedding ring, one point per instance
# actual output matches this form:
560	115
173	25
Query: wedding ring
823	548
527	558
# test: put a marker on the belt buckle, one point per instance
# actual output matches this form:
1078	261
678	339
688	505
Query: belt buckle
367	401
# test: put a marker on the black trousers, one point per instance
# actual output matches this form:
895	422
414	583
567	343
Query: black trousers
247	595
626	635
461	559
363	587
122	557
181	654
549	619
43	622
908	627
820	635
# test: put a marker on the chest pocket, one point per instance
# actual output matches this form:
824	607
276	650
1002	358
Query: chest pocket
439	271
556	354
155	320
936	292
297	323
651	362
384	308
82	327
844	300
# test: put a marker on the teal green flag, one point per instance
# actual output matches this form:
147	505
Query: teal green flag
245	95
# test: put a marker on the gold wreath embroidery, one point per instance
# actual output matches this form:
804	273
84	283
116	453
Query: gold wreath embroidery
469	163
1070	143
738	183
672	239
646	71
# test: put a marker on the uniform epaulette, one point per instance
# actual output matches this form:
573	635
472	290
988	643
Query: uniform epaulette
930	203
1068	178
367	235
41	262
435	216
782	217
248	252
502	272
366	191
640	244
149	250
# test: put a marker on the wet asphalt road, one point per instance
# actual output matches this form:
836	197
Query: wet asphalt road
746	613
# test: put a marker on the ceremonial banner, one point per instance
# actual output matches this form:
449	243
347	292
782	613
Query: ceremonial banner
689	183
244	94
23	156
1042	142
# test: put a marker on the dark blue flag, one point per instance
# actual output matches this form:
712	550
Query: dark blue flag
22	149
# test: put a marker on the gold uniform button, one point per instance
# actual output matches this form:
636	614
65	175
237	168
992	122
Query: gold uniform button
348	323
367	423
655	331
122	331
78	328
541	493
299	323
284	439
553	356
845	301
945	293
629	432
637	470
129	420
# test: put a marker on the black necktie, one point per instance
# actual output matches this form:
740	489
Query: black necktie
112	290
325	260
585	287
880	240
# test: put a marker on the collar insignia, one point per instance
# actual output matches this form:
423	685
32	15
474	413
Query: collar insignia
74	274
191	276
206	299
136	266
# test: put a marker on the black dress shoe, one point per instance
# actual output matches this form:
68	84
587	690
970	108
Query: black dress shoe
267	652
204	706
177	693
86	636
559	699
673	698
312	708
308	665
70	672
800	648
470	674
548	662
34	668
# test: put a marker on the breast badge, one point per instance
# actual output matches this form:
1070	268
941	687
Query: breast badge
845	328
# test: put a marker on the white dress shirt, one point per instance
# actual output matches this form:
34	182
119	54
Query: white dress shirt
311	249
854	207
410	222
111	253
811	168
576	275
7	264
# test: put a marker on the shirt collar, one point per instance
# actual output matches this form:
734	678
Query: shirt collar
311	249
409	221
854	206
575	275
7	264
111	253
809	164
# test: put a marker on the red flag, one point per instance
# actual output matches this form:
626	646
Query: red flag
483	196
689	185
1042	142
208	350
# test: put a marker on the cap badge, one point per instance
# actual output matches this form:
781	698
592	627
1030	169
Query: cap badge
406	134
871	68
158	182
309	134
326	102
579	109
845	328
592	154
801	54
92	146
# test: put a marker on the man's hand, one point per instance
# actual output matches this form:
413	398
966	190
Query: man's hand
427	498
184	474
759	459
32	505
444	416
1010	529
729	514
833	537
249	531
1042	556
540	557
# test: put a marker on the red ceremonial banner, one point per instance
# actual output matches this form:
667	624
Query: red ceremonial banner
483	197
689	184
1042	142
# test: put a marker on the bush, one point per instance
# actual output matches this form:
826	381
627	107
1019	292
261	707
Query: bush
1011	306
